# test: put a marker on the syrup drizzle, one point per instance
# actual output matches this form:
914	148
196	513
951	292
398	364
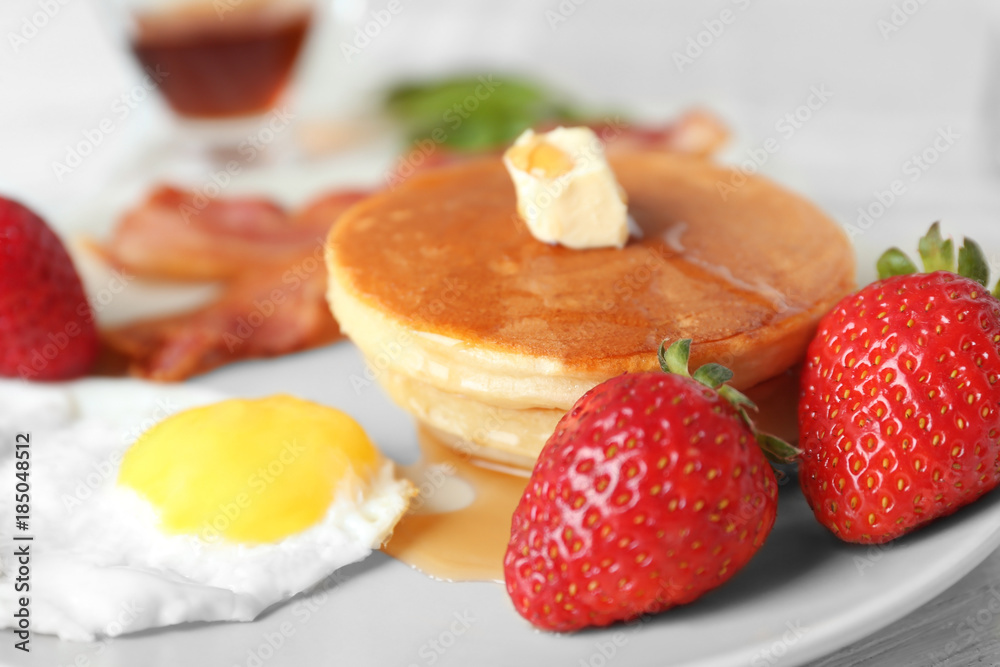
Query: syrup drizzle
767	293
449	535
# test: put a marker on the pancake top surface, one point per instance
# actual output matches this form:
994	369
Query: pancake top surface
446	253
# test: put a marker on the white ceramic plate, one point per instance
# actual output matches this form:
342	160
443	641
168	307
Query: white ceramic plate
803	596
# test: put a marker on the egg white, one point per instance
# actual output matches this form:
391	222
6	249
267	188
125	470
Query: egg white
101	567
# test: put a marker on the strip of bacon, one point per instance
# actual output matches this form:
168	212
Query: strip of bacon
695	133
180	235
274	299
261	314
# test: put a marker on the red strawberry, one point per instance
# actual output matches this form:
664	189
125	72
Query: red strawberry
651	492
46	326
899	416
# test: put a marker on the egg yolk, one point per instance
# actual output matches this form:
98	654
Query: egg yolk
248	471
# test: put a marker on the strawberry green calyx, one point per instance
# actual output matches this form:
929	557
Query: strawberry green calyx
972	263
674	359
894	262
938	254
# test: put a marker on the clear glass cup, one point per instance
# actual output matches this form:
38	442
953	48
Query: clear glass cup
219	58
224	68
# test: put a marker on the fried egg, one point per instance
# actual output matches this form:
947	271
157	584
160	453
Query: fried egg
154	505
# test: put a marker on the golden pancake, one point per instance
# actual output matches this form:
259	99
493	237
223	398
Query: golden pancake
508	435
439	282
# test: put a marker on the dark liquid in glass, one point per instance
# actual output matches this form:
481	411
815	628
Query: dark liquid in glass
216	67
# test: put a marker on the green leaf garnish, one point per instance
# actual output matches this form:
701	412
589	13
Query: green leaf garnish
937	253
474	113
894	262
972	262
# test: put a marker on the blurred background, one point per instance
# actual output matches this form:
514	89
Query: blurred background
884	113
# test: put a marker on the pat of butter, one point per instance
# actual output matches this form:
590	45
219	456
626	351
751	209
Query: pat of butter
566	191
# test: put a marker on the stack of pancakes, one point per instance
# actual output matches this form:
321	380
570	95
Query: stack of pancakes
488	336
